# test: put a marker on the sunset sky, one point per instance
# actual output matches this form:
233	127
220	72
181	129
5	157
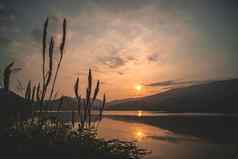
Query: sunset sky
153	43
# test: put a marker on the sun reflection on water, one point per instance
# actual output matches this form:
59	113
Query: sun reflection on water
139	135
139	113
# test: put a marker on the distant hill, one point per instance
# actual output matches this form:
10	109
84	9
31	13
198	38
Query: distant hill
69	103
10	104
212	97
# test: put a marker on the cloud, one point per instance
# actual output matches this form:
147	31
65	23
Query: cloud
1	6
162	83
154	57
7	20
116	56
112	61
175	83
7	16
120	73
54	29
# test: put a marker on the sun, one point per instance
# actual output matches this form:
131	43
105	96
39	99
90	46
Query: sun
139	135
138	87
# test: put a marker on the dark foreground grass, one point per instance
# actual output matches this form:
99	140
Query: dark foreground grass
47	140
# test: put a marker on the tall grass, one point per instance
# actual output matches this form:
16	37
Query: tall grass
48	75
55	140
7	75
52	136
86	106
44	91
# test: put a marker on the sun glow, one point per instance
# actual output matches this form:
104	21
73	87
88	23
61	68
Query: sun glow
139	135
138	87
139	113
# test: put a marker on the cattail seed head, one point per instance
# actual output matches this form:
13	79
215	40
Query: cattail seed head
96	91
76	88
44	40
63	38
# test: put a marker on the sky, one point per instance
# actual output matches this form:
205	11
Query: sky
154	43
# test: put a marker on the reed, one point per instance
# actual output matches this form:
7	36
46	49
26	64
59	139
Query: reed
53	135
38	93
101	109
28	91
44	48
6	76
33	94
73	118
62	45
96	91
78	97
46	88
48	75
60	141
50	71
88	104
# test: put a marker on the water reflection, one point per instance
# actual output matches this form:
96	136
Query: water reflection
162	142
137	125
139	135
140	113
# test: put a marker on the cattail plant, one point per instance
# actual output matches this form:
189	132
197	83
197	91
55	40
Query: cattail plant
7	75
73	118
33	94
78	97
96	92
89	89
85	116
62	45
61	102
47	73
45	88
44	48
88	96
102	107
28	92
38	93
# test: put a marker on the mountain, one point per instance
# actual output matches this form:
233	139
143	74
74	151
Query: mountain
213	97
11	104
69	103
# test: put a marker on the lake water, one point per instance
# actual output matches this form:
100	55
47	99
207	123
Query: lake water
174	135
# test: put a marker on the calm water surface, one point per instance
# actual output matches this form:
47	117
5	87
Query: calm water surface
164	143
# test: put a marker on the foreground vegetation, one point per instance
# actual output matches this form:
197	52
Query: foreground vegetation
53	139
34	134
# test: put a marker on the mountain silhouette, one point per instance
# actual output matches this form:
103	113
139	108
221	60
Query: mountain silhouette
213	97
69	103
11	104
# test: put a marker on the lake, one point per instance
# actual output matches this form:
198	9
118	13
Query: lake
173	135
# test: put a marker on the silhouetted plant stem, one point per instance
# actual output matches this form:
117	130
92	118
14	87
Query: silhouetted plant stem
49	73
7	75
61	57
87	105
73	119
103	106
44	49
